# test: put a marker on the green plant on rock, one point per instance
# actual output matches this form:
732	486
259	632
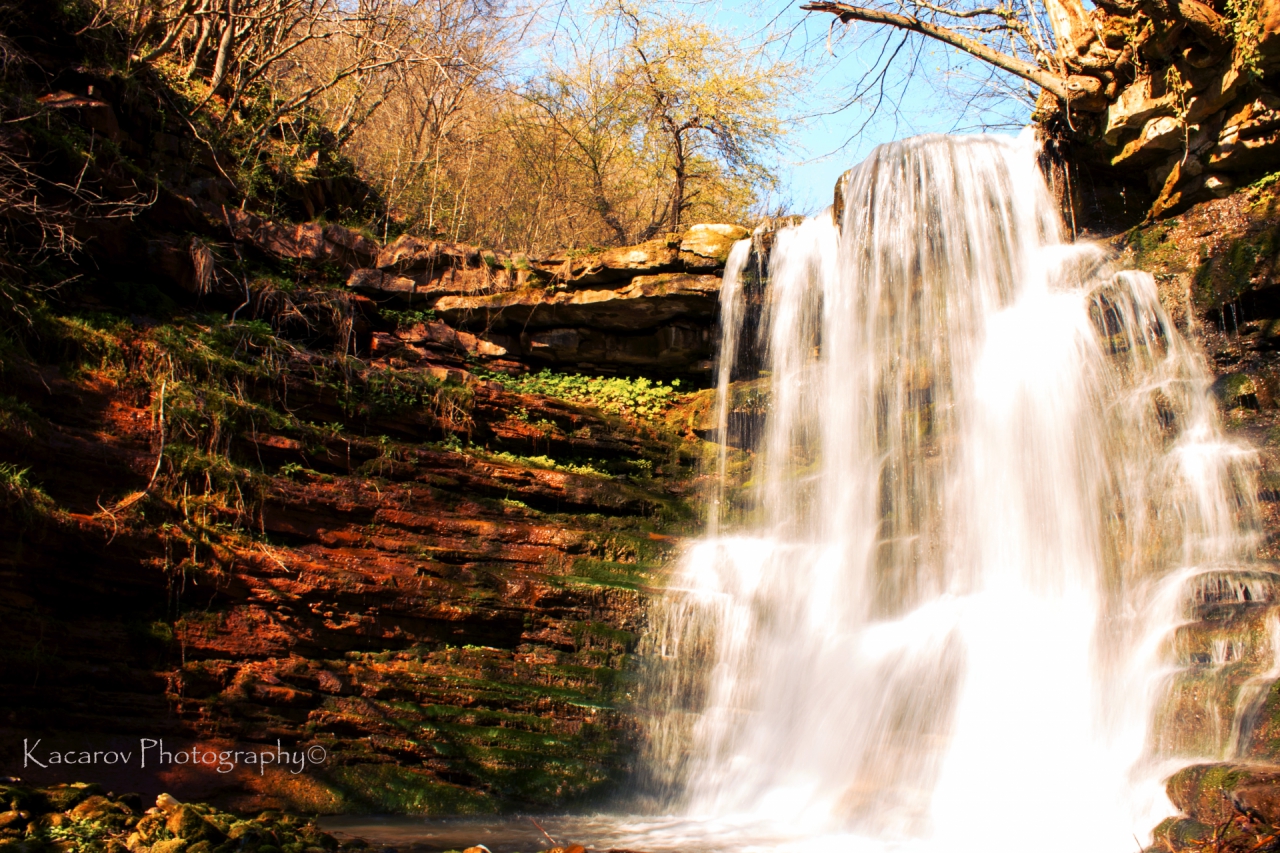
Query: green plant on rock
641	398
390	392
18	493
15	415
409	319
1246	27
549	463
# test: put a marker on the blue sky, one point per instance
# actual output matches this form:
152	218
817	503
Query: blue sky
829	130
825	140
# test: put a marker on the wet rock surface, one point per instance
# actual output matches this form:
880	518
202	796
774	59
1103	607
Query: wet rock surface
1215	268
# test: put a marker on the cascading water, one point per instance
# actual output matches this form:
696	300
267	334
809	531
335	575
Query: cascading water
991	486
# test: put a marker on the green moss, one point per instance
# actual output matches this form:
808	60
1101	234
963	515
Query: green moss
1220	777
1226	277
1181	833
1152	247
612	573
388	788
624	640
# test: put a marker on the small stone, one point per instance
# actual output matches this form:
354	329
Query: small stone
64	797
133	802
167	804
187	823
93	808
1219	186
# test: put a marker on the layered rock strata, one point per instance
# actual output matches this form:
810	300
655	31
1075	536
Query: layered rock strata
419	588
649	307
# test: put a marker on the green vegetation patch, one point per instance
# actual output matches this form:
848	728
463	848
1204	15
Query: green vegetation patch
640	398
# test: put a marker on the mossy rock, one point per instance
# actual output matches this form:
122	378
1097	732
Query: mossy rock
1180	833
63	797
1206	792
188	824
1237	390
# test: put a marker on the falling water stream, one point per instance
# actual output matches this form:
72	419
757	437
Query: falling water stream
990	485
953	606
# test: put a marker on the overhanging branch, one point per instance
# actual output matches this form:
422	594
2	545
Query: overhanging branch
1063	88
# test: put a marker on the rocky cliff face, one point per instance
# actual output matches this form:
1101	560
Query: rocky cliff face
441	587
1215	266
648	307
264	479
1179	95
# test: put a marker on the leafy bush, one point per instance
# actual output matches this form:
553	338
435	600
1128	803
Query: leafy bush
637	398
547	462
408	319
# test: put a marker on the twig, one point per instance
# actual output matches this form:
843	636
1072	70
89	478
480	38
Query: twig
277	560
115	527
160	457
543	831
132	499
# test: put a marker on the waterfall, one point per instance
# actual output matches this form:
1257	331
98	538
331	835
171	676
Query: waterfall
990	498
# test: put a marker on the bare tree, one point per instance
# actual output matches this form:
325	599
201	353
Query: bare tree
1161	90
45	208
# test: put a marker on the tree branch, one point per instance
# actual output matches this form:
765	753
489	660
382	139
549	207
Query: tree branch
1063	88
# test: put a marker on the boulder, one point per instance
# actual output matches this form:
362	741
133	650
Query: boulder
707	246
412	269
307	241
87	111
1137	105
95	807
678	347
1260	799
1181	833
1159	136
1215	793
1249	136
1217	92
64	797
188	824
649	304
1237	390
1269	33
170	845
580	269
414	254
378	283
